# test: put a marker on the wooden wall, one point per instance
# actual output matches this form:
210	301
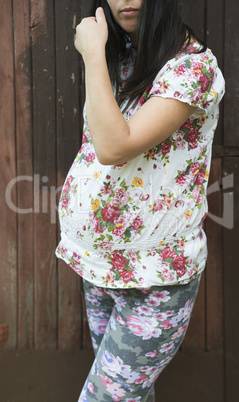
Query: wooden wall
44	339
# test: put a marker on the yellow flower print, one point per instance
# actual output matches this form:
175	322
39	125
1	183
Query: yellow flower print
63	214
207	174
95	204
181	242
96	175
86	253
161	243
214	93
188	214
138	182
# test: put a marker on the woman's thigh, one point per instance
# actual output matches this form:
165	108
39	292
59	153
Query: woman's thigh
143	334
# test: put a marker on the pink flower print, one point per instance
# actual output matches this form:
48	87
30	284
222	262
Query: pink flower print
110	213
98	325
144	327
67	185
126	276
156	297
137	223
180	70
121	197
160	316
179	142
64	201
137	399
185	311
84	138
109	277
130	376
167	347
165	148
90	157
90	387
145	197
196	193
148	369
120	320
167	252
204	81
106	189
118	261
197	68
95	225
179	332
152	354
76	258
120	226
111	365
200	177
92	299
97	291
181	179
143	310
179	264
192	137
166	324
141	379
157	205
150	153
121	164
167	275
116	391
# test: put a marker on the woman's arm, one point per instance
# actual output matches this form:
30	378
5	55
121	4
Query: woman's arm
115	140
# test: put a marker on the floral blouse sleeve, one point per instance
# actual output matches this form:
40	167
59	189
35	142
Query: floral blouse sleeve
193	78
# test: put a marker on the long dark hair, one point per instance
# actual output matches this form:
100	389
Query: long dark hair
161	36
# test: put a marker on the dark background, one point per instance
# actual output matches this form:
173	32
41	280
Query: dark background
45	350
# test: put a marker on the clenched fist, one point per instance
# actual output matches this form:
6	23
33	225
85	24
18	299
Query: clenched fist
92	34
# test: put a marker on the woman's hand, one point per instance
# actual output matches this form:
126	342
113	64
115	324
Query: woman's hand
92	35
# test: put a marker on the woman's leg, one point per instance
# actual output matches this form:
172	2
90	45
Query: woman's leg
143	334
99	306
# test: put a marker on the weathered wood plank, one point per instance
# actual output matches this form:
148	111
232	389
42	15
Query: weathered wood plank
44	113
231	280
231	70
8	239
194	15
195	335
68	143
214	271
21	15
215	41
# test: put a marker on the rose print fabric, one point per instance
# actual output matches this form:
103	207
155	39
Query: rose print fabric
135	334
139	224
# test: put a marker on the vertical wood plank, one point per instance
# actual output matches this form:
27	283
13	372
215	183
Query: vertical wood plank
21	15
195	336
231	280
214	271
44	111
68	143
231	69
8	240
194	15
215	41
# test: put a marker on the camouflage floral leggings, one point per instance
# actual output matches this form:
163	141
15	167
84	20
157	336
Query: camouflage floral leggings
135	334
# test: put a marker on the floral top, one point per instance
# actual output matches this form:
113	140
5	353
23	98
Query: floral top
139	224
